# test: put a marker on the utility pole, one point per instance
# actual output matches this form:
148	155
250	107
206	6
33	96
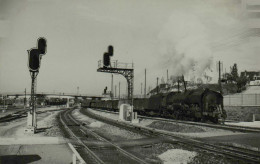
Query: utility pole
119	90
178	84
157	85
115	90
77	90
184	83
112	86
167	76
219	76
4	101
141	88
144	83
25	98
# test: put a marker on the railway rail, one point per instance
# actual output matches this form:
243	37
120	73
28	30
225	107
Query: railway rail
21	114
238	155
74	126
74	132
211	125
14	116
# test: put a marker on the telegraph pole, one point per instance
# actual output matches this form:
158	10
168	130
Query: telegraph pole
178	84
119	90
144	83
219	77
167	76
157	85
112	86
141	88
34	60
115	90
25	98
4	101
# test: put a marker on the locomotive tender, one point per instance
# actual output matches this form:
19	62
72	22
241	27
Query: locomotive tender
195	105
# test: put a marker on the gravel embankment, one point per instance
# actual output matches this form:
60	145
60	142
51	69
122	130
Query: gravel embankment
176	128
173	153
107	131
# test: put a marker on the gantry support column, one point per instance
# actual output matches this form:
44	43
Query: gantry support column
127	73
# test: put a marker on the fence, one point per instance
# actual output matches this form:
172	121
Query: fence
242	100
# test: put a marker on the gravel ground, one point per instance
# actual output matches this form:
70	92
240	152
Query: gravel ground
110	115
176	128
51	126
47	125
255	124
175	154
108	131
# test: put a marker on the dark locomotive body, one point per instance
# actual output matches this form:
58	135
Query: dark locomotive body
193	105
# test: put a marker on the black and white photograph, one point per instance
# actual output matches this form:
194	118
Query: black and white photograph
129	81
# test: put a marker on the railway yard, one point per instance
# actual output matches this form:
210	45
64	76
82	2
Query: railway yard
130	82
100	137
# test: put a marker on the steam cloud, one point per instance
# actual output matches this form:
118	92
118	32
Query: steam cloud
186	45
185	40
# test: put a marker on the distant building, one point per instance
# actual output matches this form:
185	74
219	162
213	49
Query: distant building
254	77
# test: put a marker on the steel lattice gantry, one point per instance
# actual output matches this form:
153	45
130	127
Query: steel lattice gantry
128	73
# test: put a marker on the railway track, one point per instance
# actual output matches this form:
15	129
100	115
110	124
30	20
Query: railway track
234	153
217	126
96	155
14	116
21	114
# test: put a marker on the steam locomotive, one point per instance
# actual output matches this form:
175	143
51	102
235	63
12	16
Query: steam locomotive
195	105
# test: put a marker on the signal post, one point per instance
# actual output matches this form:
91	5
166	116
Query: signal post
125	69
34	61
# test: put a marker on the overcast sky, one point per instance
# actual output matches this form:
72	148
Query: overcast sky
157	35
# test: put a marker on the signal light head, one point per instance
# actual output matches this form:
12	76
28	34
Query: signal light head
42	45
106	59
110	50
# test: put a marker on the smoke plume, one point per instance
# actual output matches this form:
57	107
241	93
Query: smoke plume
186	38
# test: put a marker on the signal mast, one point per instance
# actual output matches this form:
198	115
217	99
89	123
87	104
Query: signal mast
125	69
34	62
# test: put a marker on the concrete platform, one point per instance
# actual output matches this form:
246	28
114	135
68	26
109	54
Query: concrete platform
40	154
31	140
